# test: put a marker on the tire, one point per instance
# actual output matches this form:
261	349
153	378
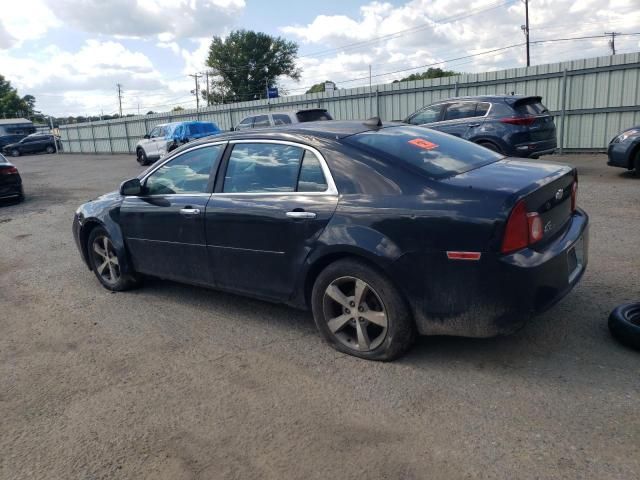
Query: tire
491	146
108	271
15	152
141	157
624	324
380	299
50	149
636	164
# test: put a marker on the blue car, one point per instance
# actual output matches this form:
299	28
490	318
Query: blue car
514	125
624	150
169	136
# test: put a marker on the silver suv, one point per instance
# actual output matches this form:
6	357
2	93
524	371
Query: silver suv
275	119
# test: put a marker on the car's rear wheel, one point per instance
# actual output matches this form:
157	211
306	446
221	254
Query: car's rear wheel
359	311
15	152
491	146
50	149
624	324
636	164
105	262
141	157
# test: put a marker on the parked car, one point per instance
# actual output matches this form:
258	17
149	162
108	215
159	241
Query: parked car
275	119
169	136
515	125
7	139
34	143
624	150
383	231
10	181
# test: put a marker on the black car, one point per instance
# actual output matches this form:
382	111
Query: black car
8	139
10	181
515	125
384	231
624	150
34	143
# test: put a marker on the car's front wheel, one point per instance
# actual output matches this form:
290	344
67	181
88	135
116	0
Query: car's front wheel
105	262
491	146
360	312
50	149
15	152
141	157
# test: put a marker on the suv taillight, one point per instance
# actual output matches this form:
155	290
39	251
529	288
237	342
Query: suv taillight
523	229
526	121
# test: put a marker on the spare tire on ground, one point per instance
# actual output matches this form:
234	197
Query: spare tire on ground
624	324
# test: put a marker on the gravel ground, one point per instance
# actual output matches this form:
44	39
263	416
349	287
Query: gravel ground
177	382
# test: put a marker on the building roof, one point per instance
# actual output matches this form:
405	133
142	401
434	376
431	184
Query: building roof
13	121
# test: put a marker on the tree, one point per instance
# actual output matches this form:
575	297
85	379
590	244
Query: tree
11	105
245	63
320	87
177	109
430	73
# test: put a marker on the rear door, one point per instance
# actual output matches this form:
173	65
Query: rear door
272	200
164	228
462	119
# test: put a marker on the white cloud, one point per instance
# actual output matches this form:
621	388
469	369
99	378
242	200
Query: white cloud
24	20
167	19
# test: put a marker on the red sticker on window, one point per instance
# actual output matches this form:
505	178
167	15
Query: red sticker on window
424	144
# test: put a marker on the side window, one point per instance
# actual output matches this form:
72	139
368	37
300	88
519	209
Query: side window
281	119
261	121
155	132
311	178
458	110
428	115
187	173
262	167
246	123
482	109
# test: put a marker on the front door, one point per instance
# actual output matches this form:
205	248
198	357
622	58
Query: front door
164	228
460	119
268	209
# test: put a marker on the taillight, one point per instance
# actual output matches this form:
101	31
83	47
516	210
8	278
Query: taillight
523	229
526	121
8	171
574	194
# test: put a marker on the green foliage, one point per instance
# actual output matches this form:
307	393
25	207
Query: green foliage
319	87
177	109
246	62
431	73
11	105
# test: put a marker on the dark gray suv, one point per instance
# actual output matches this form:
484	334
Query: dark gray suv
514	125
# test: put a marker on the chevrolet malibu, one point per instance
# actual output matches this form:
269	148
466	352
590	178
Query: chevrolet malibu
383	231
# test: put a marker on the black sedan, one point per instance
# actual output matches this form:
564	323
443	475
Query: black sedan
34	143
10	181
383	231
624	150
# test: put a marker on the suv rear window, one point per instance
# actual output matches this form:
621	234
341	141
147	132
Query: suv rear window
313	115
436	154
530	107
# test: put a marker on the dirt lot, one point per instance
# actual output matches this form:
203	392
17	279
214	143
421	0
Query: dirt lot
177	382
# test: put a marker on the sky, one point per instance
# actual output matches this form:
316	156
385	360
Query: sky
70	54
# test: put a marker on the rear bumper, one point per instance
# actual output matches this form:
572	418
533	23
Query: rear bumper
535	149
499	293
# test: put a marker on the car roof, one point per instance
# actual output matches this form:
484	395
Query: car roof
292	112
485	98
329	129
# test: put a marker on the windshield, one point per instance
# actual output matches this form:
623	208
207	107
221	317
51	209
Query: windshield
436	154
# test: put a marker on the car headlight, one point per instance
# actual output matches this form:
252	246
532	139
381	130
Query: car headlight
626	135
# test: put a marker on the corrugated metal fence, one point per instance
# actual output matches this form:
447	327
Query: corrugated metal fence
592	100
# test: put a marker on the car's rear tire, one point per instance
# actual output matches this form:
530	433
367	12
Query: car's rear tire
624	324
491	146
636	164
50	149
360	312
141	157
15	152
106	264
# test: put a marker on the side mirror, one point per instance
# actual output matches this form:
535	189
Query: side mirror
147	136
131	187
232	129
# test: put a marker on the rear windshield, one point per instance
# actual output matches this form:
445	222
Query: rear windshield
436	154
530	107
313	115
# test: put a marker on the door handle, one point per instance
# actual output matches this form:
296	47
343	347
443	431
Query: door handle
188	211
298	215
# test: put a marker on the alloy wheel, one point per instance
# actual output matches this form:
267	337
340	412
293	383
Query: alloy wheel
355	314
105	260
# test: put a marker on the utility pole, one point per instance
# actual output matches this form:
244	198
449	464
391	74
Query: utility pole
525	29
196	76
612	42
207	79
120	97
